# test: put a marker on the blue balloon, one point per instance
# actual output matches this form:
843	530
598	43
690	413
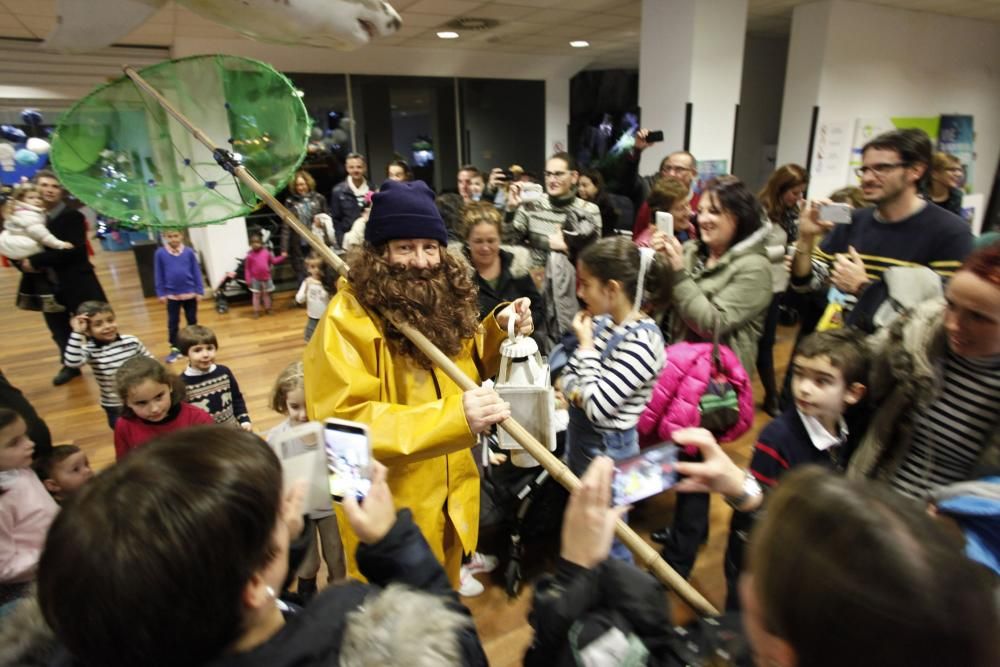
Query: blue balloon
11	133
25	158
31	117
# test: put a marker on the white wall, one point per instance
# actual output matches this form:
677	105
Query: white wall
872	61
764	62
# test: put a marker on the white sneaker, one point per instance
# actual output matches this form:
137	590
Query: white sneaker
469	586
481	563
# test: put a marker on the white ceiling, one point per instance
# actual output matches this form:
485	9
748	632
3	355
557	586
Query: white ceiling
534	27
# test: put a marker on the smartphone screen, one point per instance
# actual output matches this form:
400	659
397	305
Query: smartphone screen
837	213
646	474
348	459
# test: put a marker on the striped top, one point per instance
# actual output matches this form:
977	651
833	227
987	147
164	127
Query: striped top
949	435
614	385
931	237
105	359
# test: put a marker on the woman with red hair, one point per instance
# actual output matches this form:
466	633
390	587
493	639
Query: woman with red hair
935	384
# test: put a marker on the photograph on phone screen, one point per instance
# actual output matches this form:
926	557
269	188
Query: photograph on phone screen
644	475
347	463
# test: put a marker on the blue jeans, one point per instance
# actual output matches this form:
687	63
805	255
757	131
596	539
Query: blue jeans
584	443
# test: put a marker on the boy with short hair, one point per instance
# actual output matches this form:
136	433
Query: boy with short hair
211	386
95	340
830	369
63	471
178	284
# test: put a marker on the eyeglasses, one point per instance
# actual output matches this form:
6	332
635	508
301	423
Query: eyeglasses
674	169
880	169
955	170
556	174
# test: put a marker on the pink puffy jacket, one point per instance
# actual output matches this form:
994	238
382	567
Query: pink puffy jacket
674	403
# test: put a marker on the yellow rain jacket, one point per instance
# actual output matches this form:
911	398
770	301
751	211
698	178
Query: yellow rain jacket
417	423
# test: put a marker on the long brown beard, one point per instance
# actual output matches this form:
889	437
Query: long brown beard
440	302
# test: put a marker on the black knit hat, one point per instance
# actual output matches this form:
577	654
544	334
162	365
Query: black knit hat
404	210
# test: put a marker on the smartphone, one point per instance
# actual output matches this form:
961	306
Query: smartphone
836	213
348	459
653	136
665	222
531	192
300	450
646	474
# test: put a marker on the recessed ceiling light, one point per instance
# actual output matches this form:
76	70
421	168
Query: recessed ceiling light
579	44
448	34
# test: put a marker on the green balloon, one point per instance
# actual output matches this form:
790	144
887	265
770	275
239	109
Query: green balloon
120	153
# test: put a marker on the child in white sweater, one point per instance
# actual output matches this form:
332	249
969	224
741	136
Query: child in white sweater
314	294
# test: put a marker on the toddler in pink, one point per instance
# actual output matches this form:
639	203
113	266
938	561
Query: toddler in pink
257	271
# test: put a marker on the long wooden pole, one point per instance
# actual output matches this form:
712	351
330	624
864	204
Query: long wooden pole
645	555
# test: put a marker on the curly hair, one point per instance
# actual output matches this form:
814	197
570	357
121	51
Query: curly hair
441	302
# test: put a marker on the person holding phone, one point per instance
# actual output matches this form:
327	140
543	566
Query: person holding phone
176	555
902	229
358	367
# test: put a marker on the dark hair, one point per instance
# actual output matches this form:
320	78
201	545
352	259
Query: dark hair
149	563
610	214
845	348
850	572
913	146
91	308
735	198
140	368
44	464
474	170
618	258
565	157
255	233
783	179
984	263
402	164
450	206
46	173
8	417
195	334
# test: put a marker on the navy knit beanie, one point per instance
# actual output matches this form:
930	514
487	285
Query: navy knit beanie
404	210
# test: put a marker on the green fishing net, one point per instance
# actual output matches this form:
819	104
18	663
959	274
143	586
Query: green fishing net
120	153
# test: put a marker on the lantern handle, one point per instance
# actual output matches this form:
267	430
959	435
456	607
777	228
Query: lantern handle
511	321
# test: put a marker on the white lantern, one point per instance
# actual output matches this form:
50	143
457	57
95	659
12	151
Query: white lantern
523	381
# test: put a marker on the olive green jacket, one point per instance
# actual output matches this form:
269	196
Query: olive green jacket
730	298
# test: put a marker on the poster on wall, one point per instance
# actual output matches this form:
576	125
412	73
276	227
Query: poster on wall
709	169
866	129
956	138
830	149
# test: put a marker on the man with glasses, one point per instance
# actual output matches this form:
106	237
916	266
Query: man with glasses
902	229
555	227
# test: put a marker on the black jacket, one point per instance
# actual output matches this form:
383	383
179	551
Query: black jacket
344	209
76	280
510	287
576	606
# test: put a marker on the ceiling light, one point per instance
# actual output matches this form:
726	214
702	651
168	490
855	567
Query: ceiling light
579	44
448	34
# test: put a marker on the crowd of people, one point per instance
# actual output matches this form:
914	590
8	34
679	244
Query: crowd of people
660	301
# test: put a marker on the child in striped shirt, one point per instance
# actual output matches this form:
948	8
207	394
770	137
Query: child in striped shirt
95	340
610	375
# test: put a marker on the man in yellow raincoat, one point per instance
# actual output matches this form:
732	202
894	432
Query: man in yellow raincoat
359	367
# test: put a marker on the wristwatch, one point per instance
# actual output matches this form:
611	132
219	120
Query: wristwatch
751	489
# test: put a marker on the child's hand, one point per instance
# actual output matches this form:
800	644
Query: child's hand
162	299
716	474
496	458
79	324
292	503
246	426
376	515
65	245
583	327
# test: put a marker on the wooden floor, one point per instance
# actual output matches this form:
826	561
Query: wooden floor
256	351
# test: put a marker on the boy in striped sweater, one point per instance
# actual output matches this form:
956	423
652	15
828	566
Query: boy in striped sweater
95	340
211	386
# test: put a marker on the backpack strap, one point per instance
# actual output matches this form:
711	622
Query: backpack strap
619	336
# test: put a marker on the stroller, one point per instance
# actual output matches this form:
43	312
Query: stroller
524	503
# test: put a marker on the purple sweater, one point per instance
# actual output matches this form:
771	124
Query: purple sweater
177	274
